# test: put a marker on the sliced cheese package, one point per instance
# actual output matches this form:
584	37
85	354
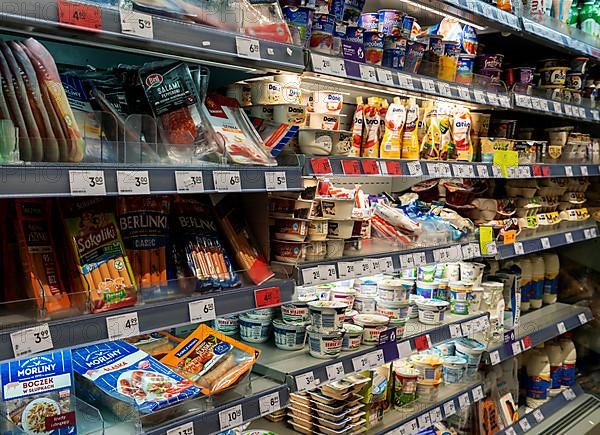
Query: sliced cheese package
212	360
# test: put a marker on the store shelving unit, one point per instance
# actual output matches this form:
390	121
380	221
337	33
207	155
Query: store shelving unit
536	327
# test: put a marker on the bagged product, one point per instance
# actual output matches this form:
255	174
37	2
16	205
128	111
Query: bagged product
410	139
370	144
394	124
38	393
38	255
127	380
212	360
156	344
447	147
102	269
357	128
461	135
431	144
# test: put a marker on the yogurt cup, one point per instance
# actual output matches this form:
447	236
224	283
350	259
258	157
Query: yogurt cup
365	304
266	92
352	336
324	345
327	316
324	121
460	296
413	310
369	21
476	298
323	292
287	336
262	314
289	114
452	271
405	385
295	313
427	289
328	102
373	325
399	324
429	366
365	287
340	229
428	391
345	295
254	330
262	112
392	310
442	292
292	230
471	350
228	325
350	315
426	273
432	311
389	21
321	38
471	272
454	369
395	289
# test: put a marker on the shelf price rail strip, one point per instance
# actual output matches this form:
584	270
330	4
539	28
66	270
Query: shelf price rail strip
347	363
439	411
141	319
556	323
537	416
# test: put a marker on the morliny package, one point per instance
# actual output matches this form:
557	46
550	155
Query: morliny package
38	393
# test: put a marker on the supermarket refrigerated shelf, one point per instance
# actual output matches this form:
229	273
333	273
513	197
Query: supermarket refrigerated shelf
39	180
536	327
301	371
148	317
166	38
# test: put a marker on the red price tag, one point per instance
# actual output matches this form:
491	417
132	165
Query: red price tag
370	167
546	171
526	342
267	297
321	165
537	171
422	343
351	167
393	168
79	15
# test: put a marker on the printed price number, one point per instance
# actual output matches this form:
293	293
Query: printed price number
351	167
518	247
184	429
123	326
231	417
482	171
327	272
247	48
435	415
335	371
477	393
444	89
275	181
545	242
516	348
419	259
407	261
524	425
584	171
449	409
376	358
311	276
405	81
137	24
538	415
267	297
414	169
306	381
269	403
467	251
31	340
79	15
133	182
338	67
424	420
455	330
464	93
202	310
385	77
367	73
463	401
361	363
321	64
346	269
227	181
189	181
321	166
569	394
386	264
87	183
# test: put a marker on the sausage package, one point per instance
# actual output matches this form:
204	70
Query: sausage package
127	380
212	360
38	393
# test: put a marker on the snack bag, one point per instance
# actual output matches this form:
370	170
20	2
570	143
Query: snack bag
198	250
102	268
212	360
38	255
144	225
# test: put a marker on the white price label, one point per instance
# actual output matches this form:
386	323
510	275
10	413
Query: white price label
444	89
412	427
504	100
545	242
346	269
311	276
582	318
306	381
327	272
561	327
189	181
479	96
535	104
419	259
476	250
404	349
518	247
424	421
467	328
464	93
231	417
492	249
364	267
449	409
595	115
87	183
524	424
441	255
361	363
568	171
184	429
510	431
445	170
407	261
133	182
269	403
338	67
436	415
587	234
321	64
275	181
538	415
544	106
367	73
556	107
524	172
385	77
467	251
569	110
584	171
581	112
428	85
433	169
414	168
455	330
497	171
123	326
593	232
405	81
569	394
335	371
137	24
493	99
376	358
463	401
512	172
523	101
386	264
227	181
482	171
202	310
247	48
516	348
495	357
375	268
569	237
477	393
31	340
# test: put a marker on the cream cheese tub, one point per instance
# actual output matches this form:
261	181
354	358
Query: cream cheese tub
432	311
345	295
365	304
352	336
373	324
429	366
327	316
428	391
324	345
228	325
413	310
471	350
393	310
454	369
296	312
395	289
289	337
254	330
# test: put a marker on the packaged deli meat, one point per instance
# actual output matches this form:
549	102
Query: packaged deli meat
127	380
38	394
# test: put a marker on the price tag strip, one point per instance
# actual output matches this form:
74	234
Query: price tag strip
231	417
269	403
189	181
87	183
227	181
133	182
202	310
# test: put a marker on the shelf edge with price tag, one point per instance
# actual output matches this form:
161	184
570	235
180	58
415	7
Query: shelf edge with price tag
202	310
227	181
123	326
87	183
275	181
189	181
184	429
136	24
31	340
79	15
267	297
247	48
133	182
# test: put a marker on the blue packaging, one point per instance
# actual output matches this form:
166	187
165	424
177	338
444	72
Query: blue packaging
336	8
369	21
300	21
38	394
390	21
468	40
393	58
352	11
395	42
354	34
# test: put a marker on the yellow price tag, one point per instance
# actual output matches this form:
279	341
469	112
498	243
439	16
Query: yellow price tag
486	235
505	158
510	237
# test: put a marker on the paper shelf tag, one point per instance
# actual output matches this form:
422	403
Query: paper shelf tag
79	15
247	48
231	417
275	181
267	297
202	310
123	326
87	183
189	181
137	24
133	182
31	340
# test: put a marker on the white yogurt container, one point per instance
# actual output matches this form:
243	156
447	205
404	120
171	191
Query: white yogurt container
295	313
228	325
352	336
471	272
345	295
476	298
328	102
373	324
341	229
365	304
393	310
452	271
266	92
427	289
262	112
413	310
431	311
324	345
471	350
365	287
324	121
289	337
454	369
395	290
254	330
327	316
262	314
289	114
428	391
400	324
429	366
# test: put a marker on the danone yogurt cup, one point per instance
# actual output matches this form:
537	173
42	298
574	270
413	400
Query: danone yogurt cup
365	304
354	34
471	350
413	310
464	69
228	325
345	295
352	336
373	325
328	102
454	369
254	330
324	345
407	26
327	316
427	289
393	309
295	313
266	92
431	311
429	366
287	336
395	289
289	114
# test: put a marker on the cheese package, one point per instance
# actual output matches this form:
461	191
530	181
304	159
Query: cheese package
211	359
38	394
127	380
